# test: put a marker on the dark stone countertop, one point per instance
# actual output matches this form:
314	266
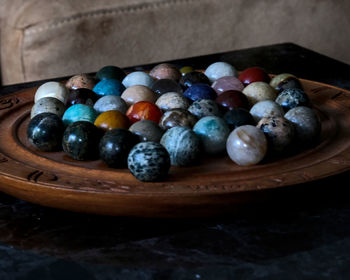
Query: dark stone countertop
301	232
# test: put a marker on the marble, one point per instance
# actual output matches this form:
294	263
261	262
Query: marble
279	133
186	69
259	91
115	145
172	100
266	108
149	161
80	140
138	93
220	69
182	144
232	99
48	105
194	77
81	81
166	85
285	80
51	89
165	71
81	96
79	112
113	119
204	107
144	110
293	97
227	83
246	145
177	117
213	132
147	130
307	125
45	132
200	91
110	102
253	74
238	117
138	78
109	87
110	72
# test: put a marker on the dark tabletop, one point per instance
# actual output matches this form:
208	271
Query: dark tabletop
301	232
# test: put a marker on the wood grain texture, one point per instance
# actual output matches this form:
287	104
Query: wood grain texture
215	186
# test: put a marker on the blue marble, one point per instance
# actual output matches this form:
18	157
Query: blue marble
182	144
200	91
109	87
213	132
79	112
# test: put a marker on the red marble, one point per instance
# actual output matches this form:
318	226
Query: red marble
144	110
227	83
254	74
232	99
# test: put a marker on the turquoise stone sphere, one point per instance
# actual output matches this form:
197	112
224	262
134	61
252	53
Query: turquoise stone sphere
79	112
138	78
109	87
182	144
213	132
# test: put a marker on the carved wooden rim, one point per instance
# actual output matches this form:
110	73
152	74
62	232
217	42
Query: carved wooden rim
52	179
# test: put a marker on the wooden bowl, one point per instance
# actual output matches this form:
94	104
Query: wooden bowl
215	186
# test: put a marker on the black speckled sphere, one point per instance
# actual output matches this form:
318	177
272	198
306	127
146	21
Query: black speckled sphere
191	78
293	97
115	146
149	161
45	132
166	85
238	117
80	140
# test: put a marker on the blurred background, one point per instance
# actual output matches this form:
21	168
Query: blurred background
42	39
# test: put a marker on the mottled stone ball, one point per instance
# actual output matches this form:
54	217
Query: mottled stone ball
307	125
213	132
149	161
279	133
266	108
204	107
138	93
81	81
293	97
172	100
177	117
182	144
48	105
45	132
259	91
165	71
285	80
147	130
246	145
220	69
110	102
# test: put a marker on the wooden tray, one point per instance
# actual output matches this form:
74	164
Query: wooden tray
215	186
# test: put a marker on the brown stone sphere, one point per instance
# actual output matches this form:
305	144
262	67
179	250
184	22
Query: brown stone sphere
81	81
232	99
111	119
138	93
165	71
177	117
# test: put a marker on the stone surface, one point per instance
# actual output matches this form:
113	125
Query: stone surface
246	145
266	108
138	78
52	89
172	100
113	119
200	91
48	105
285	80
147	130
81	96
220	69
232	99
143	110
204	107
149	161
166	85
109	87
137	93
194	77
165	71
259	91
227	83
110	102
110	72
253	74
182	144
238	117
79	112
293	97
81	81
177	117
